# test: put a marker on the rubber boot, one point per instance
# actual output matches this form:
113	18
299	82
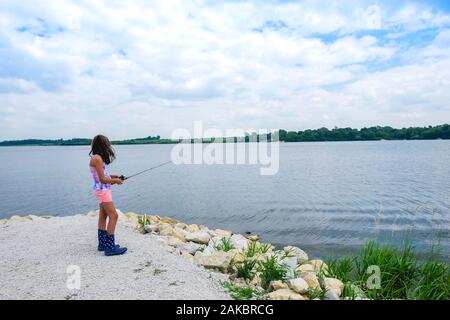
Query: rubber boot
110	247
102	239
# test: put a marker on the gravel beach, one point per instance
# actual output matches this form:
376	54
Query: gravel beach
36	253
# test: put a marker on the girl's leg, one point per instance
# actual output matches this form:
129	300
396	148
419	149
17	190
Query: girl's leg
102	216
111	212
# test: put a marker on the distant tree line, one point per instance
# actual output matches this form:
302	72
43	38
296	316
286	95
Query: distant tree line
367	134
322	134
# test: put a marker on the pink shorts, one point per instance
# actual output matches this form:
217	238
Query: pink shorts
103	196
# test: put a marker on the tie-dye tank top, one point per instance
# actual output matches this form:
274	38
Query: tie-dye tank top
98	185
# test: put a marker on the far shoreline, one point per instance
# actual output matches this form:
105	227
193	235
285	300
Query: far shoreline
209	142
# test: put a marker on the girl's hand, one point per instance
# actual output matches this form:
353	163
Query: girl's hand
118	181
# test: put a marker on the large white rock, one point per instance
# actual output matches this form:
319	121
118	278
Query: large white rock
198	237
239	241
311	279
291	265
297	252
219	260
191	247
334	285
173	232
222	233
174	242
330	295
192	228
299	285
215	241
318	265
151	228
285	294
277	285
306	268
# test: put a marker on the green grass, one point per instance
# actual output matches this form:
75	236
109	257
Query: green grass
246	269
252	250
239	293
271	270
403	275
224	245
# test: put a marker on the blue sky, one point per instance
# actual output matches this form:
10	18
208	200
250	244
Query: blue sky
139	68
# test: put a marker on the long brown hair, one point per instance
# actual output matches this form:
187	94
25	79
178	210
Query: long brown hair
102	146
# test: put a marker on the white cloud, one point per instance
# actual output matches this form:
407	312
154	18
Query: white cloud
135	68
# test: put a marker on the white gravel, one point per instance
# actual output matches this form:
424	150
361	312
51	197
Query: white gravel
35	256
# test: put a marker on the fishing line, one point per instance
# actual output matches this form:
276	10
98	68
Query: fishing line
142	172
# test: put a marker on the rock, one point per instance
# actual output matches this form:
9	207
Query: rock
306	268
220	260
153	219
191	247
237	255
297	252
173	232
192	228
174	242
256	281
285	294
169	220
17	219
299	285
222	233
335	285
163	225
187	256
239	241
198	237
318	265
254	237
132	215
180	225
215	241
330	295
151	228
277	285
291	265
311	279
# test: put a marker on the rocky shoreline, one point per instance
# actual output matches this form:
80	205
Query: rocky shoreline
246	267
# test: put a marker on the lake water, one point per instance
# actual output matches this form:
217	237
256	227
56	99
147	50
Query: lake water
328	198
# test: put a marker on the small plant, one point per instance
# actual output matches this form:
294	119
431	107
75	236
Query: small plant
264	248
142	222
271	270
224	245
245	269
252	250
239	293
314	293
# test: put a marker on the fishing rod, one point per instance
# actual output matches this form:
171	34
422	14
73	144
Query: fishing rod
123	178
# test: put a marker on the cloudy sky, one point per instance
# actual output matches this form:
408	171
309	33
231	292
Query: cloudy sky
139	68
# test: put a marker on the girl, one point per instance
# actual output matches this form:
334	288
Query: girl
102	154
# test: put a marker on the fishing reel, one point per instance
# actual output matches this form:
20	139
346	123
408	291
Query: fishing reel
123	178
